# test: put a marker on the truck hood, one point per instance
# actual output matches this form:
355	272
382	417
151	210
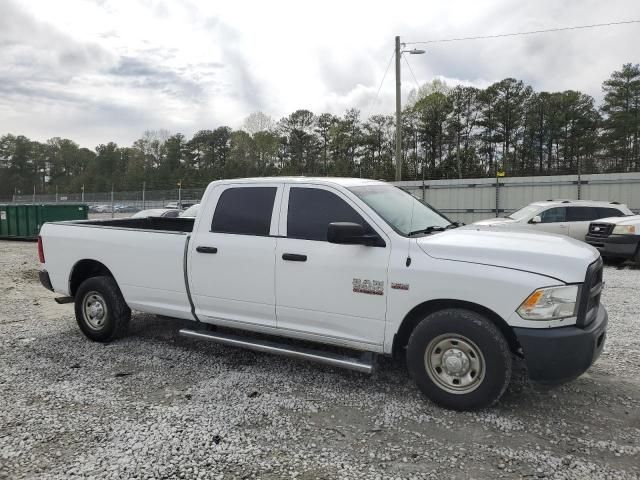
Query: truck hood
501	221
628	220
555	256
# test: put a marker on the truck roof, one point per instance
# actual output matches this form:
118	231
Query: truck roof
342	181
583	203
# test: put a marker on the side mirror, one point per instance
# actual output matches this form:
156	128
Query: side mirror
348	233
536	219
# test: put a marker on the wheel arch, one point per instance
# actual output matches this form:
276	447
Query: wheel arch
417	313
84	269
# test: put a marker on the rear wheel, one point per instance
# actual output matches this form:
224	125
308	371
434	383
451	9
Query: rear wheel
101	312
459	359
614	261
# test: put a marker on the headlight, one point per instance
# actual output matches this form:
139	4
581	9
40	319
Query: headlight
624	230
550	303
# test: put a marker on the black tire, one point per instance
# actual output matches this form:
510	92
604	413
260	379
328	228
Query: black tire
481	349
96	295
614	261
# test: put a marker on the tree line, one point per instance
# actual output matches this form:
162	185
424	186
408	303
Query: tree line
447	133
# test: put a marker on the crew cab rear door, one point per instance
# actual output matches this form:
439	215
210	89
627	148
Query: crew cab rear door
232	263
326	289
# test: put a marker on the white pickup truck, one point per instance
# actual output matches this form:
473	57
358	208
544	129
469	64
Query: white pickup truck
617	238
351	263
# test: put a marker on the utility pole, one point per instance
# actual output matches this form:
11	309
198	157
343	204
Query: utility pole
180	194
144	187
82	193
399	52
112	212
398	114
579	178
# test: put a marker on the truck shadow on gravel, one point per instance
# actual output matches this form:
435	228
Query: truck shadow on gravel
154	347
155	370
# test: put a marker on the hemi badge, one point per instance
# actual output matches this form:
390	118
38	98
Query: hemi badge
400	286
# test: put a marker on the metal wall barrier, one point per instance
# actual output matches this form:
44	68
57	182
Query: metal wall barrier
470	200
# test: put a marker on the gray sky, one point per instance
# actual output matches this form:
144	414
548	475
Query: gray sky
101	70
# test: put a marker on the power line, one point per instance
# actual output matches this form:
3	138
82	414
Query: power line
412	74
371	104
532	32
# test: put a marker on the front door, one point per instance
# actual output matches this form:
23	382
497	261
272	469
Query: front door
553	221
232	260
334	291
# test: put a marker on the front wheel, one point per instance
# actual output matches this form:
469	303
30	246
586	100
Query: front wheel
101	312
614	261
459	359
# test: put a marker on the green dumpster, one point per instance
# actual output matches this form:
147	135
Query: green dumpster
24	221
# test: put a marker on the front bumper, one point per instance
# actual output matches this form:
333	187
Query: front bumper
45	280
558	355
622	246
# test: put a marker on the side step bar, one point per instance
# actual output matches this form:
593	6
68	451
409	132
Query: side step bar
363	364
63	300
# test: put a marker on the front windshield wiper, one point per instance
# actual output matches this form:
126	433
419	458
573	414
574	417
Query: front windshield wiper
427	230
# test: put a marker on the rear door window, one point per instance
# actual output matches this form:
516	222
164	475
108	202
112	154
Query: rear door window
244	211
553	215
581	214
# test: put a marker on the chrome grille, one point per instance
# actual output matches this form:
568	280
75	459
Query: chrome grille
600	229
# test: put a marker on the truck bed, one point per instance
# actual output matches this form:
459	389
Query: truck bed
146	256
179	224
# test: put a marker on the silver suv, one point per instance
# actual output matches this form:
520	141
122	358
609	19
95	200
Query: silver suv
566	217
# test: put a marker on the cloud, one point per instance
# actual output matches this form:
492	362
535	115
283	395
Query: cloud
142	74
101	70
27	42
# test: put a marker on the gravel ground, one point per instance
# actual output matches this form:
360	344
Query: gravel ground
155	405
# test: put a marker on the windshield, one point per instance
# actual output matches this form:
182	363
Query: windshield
396	207
525	213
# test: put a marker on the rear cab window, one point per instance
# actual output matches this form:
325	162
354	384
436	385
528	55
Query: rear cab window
244	211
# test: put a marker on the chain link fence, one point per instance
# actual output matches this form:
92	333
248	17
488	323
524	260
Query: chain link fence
128	201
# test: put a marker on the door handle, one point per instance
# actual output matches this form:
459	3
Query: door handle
202	249
294	257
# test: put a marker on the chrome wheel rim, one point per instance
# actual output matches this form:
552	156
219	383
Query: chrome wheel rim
94	310
454	363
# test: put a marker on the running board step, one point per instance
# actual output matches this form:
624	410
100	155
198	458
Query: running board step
363	364
63	300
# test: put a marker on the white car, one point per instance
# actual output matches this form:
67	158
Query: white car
617	238
354	263
192	211
565	217
157	212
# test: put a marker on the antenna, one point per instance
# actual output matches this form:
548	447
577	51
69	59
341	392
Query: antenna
413	206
